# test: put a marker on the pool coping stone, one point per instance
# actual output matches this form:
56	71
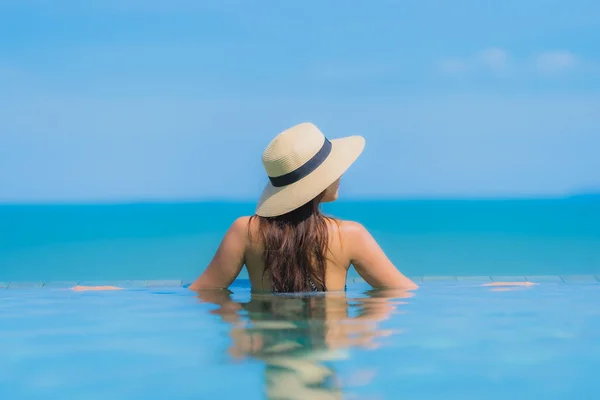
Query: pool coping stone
450	280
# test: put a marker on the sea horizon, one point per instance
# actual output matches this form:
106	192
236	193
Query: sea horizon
342	199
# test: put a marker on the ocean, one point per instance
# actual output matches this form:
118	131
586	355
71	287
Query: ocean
422	237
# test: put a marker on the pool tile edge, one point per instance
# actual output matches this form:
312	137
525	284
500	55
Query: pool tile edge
450	279
25	285
580	278
544	278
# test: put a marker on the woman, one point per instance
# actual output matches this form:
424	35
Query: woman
288	245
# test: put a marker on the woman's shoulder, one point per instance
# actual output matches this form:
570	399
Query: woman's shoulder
242	221
349	225
348	228
240	227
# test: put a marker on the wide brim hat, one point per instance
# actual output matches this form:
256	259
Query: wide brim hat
301	163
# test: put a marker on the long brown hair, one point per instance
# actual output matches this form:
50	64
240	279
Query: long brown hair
295	247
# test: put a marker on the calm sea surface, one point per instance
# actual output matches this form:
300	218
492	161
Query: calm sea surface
176	241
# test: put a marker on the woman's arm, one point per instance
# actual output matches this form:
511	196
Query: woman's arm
370	261
228	260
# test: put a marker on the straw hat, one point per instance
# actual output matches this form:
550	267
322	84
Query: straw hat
301	163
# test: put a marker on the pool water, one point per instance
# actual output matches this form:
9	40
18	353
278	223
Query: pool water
447	340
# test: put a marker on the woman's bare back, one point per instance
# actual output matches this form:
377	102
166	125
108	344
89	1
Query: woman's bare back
336	269
349	244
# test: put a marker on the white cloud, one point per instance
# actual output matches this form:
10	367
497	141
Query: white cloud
453	66
494	59
349	71
555	62
498	62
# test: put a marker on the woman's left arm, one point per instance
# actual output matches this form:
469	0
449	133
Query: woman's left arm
228	260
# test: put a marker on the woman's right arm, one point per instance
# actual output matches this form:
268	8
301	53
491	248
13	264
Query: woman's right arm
370	261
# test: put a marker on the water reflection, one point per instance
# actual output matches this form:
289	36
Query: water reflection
297	336
509	286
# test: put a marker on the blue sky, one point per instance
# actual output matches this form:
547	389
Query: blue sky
149	100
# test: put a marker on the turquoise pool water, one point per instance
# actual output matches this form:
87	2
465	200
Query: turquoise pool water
176	241
455	338
450	340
